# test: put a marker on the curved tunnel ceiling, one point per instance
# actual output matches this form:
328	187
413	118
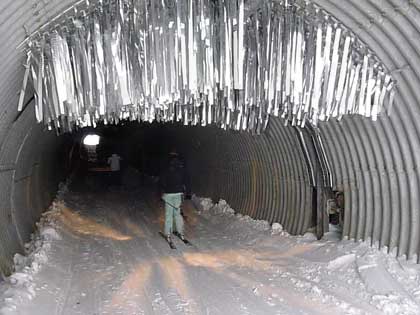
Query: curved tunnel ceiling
374	163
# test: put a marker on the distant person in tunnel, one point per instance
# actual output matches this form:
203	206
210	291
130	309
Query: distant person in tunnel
114	161
174	182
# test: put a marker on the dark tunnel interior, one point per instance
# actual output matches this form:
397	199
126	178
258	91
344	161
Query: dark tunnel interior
144	148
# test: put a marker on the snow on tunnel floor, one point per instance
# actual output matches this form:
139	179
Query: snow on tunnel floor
101	253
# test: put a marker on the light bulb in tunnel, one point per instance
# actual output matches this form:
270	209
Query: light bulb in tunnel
92	140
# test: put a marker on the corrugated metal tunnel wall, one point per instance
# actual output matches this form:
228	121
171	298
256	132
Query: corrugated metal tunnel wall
375	164
29	175
263	176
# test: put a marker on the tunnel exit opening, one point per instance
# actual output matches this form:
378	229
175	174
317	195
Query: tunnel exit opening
91	142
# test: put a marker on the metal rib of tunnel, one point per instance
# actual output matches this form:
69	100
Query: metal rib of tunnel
375	164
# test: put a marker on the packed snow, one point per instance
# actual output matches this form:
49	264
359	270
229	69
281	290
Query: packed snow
101	253
20	287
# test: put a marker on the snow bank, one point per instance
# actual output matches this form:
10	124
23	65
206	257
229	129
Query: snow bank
202	204
20	286
323	270
276	228
222	208
341	261
260	225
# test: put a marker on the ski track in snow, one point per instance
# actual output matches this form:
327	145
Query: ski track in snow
101	253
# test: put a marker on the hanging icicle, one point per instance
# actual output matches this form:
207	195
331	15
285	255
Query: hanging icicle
227	62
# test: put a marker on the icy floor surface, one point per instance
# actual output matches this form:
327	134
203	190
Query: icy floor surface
99	253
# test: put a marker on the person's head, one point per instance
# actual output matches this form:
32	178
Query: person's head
174	160
173	152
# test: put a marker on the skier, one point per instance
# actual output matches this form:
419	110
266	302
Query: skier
174	182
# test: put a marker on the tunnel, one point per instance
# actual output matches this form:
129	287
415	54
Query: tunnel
284	174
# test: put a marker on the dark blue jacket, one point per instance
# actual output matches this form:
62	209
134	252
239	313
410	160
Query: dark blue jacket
174	178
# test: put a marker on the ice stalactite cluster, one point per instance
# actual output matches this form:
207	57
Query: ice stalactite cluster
233	63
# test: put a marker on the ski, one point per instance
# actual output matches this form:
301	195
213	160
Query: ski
171	244
186	242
